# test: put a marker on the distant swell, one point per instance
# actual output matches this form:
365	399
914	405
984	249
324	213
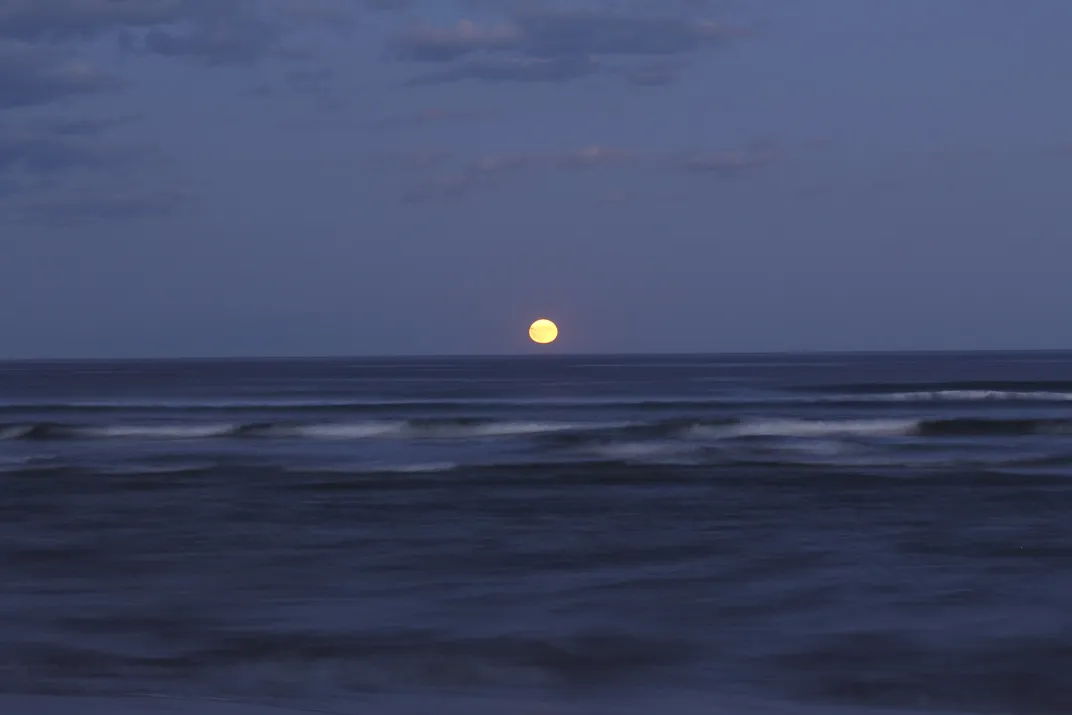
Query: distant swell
977	395
957	427
1013	386
446	429
865	394
562	433
822	428
358	405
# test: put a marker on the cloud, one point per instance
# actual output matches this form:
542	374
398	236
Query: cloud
725	165
61	20
39	44
485	172
334	13
32	76
96	204
430	44
316	82
51	146
594	157
655	73
238	32
39	40
594	33
36	181
48	153
27	152
432	116
81	127
216	32
389	5
223	42
478	173
513	69
755	155
54	20
554	45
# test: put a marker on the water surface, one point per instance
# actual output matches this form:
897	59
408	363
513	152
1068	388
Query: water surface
784	534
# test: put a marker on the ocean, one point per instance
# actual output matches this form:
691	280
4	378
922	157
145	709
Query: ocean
538	535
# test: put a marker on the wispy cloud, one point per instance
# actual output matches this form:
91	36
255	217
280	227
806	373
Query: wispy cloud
657	72
41	149
725	165
756	154
431	116
216	32
58	20
556	45
513	69
31	76
222	41
46	153
600	33
488	171
96	204
40	45
432	44
596	156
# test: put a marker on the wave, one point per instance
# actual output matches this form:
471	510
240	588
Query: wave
442	429
813	428
564	434
389	408
1022	386
952	427
957	396
357	404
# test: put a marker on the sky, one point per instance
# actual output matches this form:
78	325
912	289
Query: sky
384	177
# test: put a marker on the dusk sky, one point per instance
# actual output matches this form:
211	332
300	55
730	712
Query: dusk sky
352	177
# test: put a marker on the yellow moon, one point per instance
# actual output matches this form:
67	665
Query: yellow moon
543	331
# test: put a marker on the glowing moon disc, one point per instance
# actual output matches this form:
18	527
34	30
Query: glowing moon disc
543	331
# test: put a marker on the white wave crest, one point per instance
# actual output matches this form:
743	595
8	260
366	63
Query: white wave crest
811	428
970	396
369	430
344	430
426	468
651	452
159	431
516	429
15	431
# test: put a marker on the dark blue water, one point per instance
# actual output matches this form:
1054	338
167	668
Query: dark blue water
561	535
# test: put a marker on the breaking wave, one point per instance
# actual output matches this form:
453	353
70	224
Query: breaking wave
963	393
563	433
818	428
961	396
443	429
1010	386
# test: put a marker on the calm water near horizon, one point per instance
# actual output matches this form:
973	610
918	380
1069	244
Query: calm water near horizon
590	534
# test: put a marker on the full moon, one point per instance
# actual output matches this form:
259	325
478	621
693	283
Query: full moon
543	331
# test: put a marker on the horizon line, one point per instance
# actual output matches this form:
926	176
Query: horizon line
534	355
